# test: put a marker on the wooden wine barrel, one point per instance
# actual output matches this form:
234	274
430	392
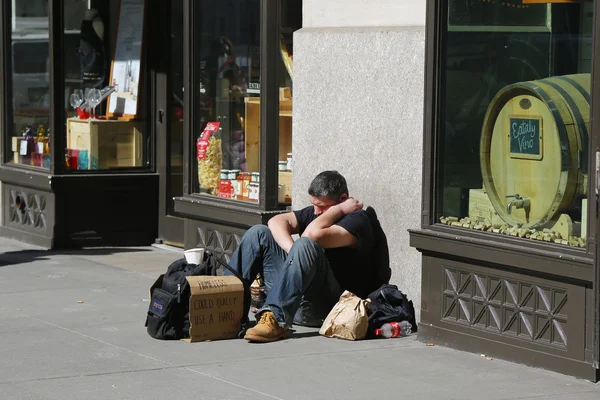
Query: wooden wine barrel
534	143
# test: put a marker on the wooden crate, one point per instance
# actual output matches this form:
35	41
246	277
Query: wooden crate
110	143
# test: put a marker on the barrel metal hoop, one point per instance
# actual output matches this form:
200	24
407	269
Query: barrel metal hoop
583	132
562	131
576	85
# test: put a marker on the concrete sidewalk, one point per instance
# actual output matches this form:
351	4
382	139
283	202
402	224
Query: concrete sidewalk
72	327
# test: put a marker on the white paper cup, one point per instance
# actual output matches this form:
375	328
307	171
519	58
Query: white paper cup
194	256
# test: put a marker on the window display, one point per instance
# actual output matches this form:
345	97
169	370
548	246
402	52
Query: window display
291	20
227	133
94	141
515	142
105	123
30	78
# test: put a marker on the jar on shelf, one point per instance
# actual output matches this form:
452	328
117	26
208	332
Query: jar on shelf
235	185
283	165
225	189
256	177
289	161
244	178
232	174
253	190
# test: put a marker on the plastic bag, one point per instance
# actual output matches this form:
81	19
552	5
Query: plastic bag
210	158
348	319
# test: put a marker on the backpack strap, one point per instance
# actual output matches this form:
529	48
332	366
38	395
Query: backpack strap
234	272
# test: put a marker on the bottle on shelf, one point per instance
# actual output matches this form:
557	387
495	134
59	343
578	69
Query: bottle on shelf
40	140
394	329
29	146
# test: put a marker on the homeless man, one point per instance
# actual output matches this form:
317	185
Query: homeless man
305	278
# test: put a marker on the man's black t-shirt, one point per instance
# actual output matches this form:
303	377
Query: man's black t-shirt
351	266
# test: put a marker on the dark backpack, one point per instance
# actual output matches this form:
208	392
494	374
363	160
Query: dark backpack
388	304
381	253
168	313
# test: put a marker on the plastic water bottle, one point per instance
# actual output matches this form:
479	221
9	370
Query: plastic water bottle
394	329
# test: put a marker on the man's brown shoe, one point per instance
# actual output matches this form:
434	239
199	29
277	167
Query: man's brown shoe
266	330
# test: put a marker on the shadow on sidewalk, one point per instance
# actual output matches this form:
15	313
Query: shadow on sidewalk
27	256
297	335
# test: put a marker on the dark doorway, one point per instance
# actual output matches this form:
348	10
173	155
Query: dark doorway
169	118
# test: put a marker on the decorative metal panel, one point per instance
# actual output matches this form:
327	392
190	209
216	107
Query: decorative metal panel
510	307
27	209
219	241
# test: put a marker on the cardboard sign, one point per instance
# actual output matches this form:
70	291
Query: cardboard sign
216	306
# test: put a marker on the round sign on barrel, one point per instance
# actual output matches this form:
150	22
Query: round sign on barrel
534	149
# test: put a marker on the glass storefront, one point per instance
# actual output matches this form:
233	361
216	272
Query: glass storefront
227	136
99	135
192	99
291	20
508	239
515	121
105	88
30	84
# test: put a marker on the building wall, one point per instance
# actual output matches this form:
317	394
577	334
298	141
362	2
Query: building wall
345	13
358	108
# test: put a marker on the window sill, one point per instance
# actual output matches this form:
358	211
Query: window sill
26	175
43	179
218	210
510	253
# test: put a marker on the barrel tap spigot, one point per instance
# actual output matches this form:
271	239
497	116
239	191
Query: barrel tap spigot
519	202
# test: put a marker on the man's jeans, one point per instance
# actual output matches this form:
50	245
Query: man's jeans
301	287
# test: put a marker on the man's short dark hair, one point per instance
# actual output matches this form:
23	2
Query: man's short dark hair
330	184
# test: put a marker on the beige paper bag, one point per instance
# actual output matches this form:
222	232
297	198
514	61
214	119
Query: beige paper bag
348	319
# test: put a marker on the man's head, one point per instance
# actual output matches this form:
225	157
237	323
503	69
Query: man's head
327	189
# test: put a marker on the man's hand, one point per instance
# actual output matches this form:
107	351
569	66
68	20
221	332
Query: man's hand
283	226
350	205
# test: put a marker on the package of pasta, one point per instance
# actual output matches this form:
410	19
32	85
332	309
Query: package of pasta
210	158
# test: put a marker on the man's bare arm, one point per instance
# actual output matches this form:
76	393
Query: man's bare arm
327	235
282	227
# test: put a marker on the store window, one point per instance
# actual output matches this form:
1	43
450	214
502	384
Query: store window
291	20
227	106
106	97
30	83
515	119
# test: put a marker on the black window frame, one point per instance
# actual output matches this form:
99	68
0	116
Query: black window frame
6	89
57	115
270	22
435	55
